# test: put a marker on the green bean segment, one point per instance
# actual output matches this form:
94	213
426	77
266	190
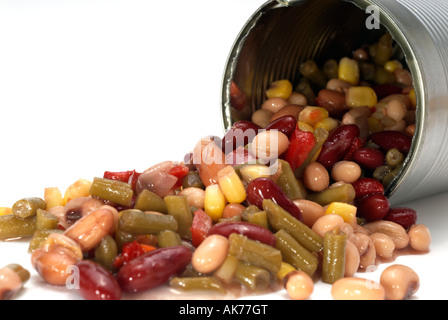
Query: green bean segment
287	181
106	252
113	190
251	276
12	227
28	207
197	283
281	219
333	263
168	238
295	254
344	193
179	208
39	237
139	222
149	201
46	220
255	252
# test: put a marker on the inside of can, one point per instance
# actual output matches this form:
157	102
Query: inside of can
279	37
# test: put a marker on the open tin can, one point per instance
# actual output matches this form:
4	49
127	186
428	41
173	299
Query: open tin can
282	34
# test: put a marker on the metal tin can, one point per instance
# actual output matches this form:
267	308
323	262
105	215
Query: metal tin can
282	34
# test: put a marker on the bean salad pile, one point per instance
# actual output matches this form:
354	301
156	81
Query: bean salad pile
293	195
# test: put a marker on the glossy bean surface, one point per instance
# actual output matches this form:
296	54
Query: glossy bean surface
96	283
153	268
250	230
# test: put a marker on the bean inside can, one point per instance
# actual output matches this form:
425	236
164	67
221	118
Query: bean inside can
289	197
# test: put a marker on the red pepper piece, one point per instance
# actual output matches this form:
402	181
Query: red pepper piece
200	227
121	176
179	171
130	250
300	145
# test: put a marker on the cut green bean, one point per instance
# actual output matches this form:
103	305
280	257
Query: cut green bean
149	201
343	193
113	190
305	88
295	254
394	157
106	252
252	277
139	222
27	207
168	238
122	237
333	262
12	227
257	217
281	219
46	220
287	181
197	283
310	70
226	271
179	208
255	252
39	237
192	179
331	69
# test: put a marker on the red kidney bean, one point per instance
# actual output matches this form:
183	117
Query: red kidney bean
237	97
366	186
337	144
285	124
384	90
368	158
97	283
392	139
264	188
153	268
250	230
241	133
357	143
405	217
373	207
333	101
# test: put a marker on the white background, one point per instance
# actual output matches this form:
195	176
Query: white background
88	86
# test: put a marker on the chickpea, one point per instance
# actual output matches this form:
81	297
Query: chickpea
316	177
347	171
274	104
210	254
298	99
311	211
399	282
352	288
396	110
268	145
299	285
233	209
195	196
352	259
419	237
384	245
327	223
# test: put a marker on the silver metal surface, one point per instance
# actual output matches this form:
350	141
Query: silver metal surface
282	34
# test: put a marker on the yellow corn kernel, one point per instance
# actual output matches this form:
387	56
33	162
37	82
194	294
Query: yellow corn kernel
327	124
250	172
392	65
285	268
374	125
231	185
5	211
345	210
413	98
53	197
348	70
79	188
279	89
214	202
312	115
360	97
305	126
